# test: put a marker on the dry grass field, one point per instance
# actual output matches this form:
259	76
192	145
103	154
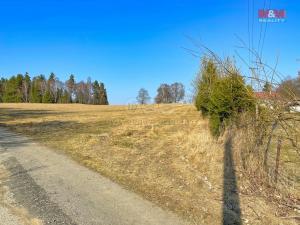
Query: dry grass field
165	153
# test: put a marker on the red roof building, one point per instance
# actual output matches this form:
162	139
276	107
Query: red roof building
262	95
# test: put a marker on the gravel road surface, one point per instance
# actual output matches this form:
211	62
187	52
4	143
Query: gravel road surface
56	190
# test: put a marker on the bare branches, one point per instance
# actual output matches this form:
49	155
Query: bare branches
273	109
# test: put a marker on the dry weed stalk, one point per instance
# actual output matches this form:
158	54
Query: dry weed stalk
258	153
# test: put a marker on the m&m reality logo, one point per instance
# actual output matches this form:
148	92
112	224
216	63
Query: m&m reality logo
271	15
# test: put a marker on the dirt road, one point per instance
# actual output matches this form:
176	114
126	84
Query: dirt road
53	189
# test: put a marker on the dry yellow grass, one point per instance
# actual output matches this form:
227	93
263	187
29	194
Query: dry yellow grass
164	153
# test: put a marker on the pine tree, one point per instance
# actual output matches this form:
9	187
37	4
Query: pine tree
47	97
26	87
102	95
267	87
37	89
96	93
70	85
52	88
18	88
21	88
65	97
12	89
2	85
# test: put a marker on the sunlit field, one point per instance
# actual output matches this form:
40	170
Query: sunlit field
163	152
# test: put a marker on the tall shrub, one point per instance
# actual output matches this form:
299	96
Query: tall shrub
222	94
207	76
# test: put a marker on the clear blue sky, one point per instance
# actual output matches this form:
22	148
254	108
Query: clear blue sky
133	44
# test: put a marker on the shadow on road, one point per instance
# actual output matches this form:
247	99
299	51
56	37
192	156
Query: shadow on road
28	194
8	140
231	201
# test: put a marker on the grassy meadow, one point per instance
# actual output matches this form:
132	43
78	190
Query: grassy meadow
163	152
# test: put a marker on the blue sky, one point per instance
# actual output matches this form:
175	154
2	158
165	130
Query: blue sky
133	44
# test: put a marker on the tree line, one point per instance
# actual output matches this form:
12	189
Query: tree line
290	88
22	88
166	93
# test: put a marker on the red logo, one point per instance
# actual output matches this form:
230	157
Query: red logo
271	14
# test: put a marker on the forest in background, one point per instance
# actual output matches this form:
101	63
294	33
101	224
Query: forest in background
22	88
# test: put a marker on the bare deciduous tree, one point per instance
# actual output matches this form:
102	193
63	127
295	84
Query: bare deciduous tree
143	96
178	92
164	94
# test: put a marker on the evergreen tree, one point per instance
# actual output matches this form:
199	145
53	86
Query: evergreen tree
204	84
47	98
103	95
52	89
18	87
26	87
96	93
2	85
71	85
222	95
21	88
65	97
37	89
267	87
12	89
